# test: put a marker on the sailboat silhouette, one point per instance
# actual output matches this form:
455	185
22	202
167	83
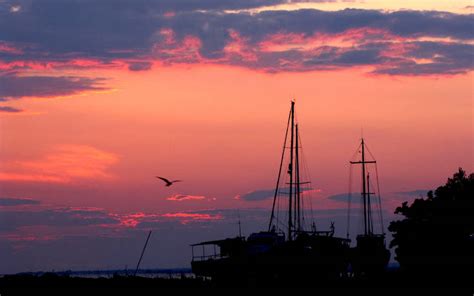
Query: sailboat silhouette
293	251
370	256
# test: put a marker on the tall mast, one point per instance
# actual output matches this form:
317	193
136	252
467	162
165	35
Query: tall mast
370	223
364	191
143	252
290	170
298	201
365	194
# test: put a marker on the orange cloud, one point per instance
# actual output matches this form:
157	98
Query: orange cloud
23	177
66	163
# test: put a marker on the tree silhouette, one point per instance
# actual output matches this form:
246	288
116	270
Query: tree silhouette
437	234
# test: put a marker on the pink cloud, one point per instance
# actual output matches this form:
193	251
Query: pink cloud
186	197
9	48
132	220
132	223
170	50
353	37
239	48
169	14
21	237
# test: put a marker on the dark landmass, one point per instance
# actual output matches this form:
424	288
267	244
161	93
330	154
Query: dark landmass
392	281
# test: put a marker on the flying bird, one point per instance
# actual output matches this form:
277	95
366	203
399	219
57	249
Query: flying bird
168	182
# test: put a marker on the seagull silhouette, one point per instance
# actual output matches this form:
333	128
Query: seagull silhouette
168	182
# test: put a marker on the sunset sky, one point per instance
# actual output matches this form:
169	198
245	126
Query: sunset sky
97	97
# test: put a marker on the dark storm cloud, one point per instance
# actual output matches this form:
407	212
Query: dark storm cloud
309	21
61	217
213	28
139	66
108	31
10	202
354	197
8	109
13	86
342	197
102	29
446	58
155	5
256	195
358	57
264	194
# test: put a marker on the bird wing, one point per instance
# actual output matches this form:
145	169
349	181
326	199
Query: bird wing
177	181
164	179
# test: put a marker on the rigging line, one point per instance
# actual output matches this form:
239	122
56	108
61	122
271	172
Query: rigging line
370	186
380	199
357	151
298	181
311	209
303	220
279	225
279	222
308	189
349	201
349	194
278	211
306	170
279	171
282	195
370	153
303	206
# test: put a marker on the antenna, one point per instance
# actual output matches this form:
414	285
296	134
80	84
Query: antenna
143	252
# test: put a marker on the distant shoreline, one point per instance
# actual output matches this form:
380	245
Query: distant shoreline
107	272
128	272
392	280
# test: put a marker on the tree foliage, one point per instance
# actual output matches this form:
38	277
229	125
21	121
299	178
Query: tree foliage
437	233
